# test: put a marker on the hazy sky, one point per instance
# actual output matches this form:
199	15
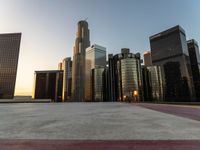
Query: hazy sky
48	27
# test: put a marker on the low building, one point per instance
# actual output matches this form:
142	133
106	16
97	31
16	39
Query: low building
48	85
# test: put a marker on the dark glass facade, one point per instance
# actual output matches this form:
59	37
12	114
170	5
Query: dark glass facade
9	54
147	91
48	85
169	49
193	49
110	79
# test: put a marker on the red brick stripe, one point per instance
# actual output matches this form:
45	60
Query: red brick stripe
182	111
97	145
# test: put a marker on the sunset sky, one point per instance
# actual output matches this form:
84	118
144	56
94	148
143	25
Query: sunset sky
48	27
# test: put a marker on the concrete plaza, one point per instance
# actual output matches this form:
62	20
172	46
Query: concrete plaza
94	121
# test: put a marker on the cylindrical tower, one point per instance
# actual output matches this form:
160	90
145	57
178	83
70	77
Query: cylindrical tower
78	68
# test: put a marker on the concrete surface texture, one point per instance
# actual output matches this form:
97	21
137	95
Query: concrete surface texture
93	121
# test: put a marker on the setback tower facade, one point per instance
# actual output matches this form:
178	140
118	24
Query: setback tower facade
78	65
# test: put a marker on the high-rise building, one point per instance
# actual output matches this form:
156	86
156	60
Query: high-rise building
147	58
110	79
153	83
106	85
95	57
147	92
67	79
60	66
48	85
128	76
78	66
9	54
169	50
98	84
193	49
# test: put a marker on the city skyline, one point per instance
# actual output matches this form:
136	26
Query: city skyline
54	38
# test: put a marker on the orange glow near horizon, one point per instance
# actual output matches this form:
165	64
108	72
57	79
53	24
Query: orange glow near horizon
23	92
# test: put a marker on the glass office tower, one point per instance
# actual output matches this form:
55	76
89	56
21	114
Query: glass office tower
128	76
169	50
193	49
109	78
95	57
78	67
48	85
67	79
9	54
156	83
98	84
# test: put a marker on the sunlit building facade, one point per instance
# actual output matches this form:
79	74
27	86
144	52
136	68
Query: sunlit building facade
67	79
169	50
95	57
193	49
60	66
147	58
9	54
129	76
48	85
78	66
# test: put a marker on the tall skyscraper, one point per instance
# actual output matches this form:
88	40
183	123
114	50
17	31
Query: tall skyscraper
9	54
48	85
78	67
147	58
193	49
95	57
67	79
169	50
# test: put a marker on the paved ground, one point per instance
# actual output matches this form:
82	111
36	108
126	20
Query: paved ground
93	121
103	125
